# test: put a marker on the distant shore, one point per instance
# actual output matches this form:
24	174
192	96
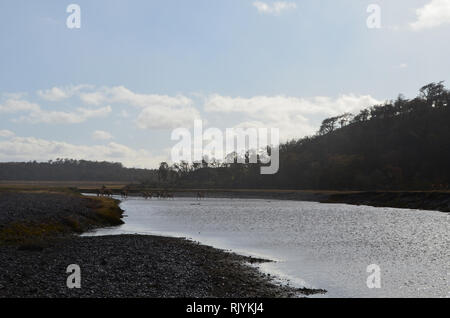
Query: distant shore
37	243
420	200
423	200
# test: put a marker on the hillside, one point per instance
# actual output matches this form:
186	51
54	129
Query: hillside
400	145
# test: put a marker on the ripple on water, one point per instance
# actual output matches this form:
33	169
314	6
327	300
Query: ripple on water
318	245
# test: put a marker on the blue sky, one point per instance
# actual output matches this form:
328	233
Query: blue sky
115	88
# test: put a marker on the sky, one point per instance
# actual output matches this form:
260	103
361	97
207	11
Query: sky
117	87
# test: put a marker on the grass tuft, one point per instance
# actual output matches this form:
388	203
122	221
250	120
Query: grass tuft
107	210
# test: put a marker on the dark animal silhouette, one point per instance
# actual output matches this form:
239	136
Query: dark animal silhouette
200	195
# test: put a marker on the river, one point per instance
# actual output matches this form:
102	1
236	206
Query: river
316	245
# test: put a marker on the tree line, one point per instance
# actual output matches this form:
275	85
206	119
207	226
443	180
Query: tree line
401	144
72	170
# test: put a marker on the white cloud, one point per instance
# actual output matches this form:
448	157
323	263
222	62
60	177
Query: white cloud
124	114
26	148
17	95
53	94
6	133
122	95
86	113
56	94
294	116
35	114
59	117
17	105
93	98
433	14
275	8
163	117
101	135
157	111
275	105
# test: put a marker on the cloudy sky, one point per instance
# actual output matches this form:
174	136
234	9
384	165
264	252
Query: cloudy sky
117	87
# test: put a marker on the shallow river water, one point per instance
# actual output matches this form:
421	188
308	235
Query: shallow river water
317	245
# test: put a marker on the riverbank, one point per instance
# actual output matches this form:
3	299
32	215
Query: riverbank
433	200
133	266
420	200
29	217
38	243
423	200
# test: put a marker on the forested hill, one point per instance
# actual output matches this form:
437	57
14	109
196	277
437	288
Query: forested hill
72	170
402	144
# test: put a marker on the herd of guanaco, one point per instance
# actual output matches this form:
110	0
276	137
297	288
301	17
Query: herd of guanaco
103	191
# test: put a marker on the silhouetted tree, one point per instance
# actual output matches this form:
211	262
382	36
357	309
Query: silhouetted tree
163	172
401	144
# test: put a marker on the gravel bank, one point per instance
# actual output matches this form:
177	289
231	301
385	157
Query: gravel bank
41	207
28	217
133	266
116	266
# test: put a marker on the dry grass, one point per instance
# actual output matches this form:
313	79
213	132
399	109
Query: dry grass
106	209
25	233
